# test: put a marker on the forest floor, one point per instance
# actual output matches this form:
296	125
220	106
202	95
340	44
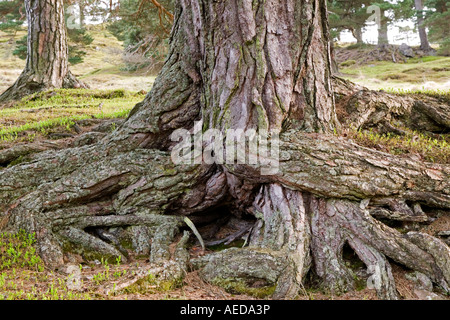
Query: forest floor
61	116
369	67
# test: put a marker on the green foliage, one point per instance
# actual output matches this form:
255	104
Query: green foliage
438	22
348	63
11	19
78	39
17	250
144	33
60	108
428	148
347	15
240	287
21	48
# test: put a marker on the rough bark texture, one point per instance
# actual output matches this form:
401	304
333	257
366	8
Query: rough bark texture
47	53
247	65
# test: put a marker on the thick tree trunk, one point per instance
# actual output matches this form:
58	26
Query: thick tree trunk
262	65
47	54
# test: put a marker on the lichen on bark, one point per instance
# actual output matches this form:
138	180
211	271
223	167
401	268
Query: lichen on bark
247	65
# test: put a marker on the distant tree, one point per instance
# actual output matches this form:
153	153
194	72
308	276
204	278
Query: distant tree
12	16
78	38
438	20
47	55
143	30
348	15
424	44
391	12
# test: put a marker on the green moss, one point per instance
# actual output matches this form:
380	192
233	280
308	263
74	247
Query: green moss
348	63
240	287
152	285
19	160
430	148
222	246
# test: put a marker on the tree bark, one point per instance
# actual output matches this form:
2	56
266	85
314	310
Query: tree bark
424	44
262	65
47	53
357	33
383	29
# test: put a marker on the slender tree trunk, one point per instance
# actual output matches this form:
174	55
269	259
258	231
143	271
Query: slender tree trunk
82	7
424	44
383	30
357	33
262	65
47	53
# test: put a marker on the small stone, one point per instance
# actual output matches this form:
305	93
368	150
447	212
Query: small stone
73	281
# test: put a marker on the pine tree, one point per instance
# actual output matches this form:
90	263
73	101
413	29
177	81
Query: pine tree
144	30
438	21
348	15
12	16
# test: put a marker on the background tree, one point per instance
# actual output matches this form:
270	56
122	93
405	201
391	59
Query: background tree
12	16
391	12
47	55
349	15
78	38
424	44
263	65
438	21
144	30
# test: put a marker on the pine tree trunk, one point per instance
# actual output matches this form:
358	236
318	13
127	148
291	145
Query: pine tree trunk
383	30
47	53
424	44
262	65
82	8
357	33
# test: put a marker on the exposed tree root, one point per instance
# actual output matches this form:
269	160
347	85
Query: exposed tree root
327	191
360	107
63	202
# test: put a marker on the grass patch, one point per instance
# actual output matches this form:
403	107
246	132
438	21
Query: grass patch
428	148
24	277
430	71
41	112
441	94
17	251
22	273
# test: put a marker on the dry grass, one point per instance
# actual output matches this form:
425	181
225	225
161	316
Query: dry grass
101	68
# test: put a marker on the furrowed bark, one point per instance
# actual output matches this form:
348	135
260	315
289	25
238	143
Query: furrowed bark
261	65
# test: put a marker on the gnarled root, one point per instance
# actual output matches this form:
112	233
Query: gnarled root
74	199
